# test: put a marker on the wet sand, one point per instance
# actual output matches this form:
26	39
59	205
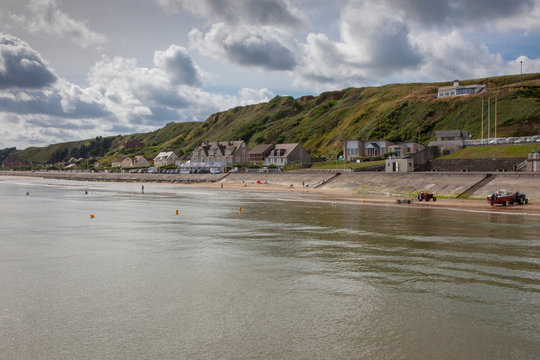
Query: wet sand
341	195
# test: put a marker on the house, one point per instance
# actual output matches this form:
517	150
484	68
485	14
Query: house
287	154
13	162
459	90
393	164
133	144
403	148
450	141
219	154
259	153
376	147
165	158
182	160
140	161
354	149
122	162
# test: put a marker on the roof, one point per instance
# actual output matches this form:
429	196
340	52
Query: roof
164	155
261	148
287	149
120	158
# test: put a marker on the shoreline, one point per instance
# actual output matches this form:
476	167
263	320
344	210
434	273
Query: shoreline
324	193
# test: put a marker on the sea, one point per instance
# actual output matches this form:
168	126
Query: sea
95	270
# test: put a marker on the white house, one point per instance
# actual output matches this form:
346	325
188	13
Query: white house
165	158
460	90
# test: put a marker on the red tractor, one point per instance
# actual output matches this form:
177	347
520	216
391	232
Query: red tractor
426	197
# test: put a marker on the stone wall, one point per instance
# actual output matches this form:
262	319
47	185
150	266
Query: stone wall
483	165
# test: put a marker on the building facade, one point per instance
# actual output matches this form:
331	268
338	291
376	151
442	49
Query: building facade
219	154
165	158
460	90
287	154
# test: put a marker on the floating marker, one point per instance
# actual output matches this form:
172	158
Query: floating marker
91	216
239	209
176	211
362	200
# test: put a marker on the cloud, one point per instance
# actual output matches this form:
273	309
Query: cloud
21	66
264	47
251	12
466	14
373	43
412	40
47	18
176	62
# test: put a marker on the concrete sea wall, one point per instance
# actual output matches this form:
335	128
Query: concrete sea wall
391	184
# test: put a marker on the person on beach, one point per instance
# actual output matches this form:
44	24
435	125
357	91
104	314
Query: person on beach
142	189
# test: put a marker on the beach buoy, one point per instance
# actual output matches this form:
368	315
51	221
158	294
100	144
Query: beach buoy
176	211
91	216
239	209
362	200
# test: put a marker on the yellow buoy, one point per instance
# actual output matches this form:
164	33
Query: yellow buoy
239	209
362	200
176	211
91	216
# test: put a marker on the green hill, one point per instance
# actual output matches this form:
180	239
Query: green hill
397	112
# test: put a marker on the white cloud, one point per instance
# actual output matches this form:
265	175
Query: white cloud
47	18
262	47
122	97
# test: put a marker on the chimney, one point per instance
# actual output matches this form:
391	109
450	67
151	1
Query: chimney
456	83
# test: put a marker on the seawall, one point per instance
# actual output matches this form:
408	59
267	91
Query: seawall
389	184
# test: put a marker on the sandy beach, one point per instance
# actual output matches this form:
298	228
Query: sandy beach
341	195
341	192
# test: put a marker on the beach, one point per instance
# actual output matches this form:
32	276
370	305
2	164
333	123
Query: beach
365	188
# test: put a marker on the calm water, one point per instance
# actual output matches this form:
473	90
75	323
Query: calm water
284	279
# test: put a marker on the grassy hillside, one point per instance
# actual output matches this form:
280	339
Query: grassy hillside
397	112
497	151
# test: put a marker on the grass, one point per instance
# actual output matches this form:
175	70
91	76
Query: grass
345	165
500	151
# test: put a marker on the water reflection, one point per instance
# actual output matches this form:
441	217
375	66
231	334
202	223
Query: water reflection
283	279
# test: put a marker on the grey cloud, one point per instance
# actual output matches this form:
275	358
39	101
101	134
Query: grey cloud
47	18
268	54
49	103
21	66
176	62
438	13
65	124
253	12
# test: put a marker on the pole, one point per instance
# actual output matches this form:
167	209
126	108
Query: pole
488	120
482	121
521	71
495	118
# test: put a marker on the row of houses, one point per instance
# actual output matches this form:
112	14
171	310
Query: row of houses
223	154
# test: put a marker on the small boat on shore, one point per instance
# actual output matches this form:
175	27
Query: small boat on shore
503	197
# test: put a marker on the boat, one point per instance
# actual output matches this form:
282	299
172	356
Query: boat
503	197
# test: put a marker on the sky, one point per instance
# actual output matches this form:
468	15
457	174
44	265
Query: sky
77	69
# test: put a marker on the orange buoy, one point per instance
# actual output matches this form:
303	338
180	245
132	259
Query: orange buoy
91	216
